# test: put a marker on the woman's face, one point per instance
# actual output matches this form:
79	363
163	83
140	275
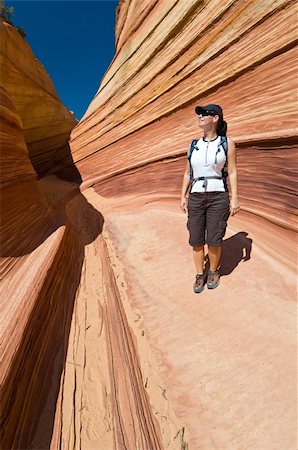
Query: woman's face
208	121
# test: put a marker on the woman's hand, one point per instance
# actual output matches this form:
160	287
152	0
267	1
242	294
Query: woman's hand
234	206
183	204
232	170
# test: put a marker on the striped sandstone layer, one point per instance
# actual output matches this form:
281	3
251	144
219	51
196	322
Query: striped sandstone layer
240	54
63	322
32	236
35	242
46	121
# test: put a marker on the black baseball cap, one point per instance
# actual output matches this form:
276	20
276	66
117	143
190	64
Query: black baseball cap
214	108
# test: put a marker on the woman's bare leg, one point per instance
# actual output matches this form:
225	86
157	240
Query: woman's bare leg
214	254
199	256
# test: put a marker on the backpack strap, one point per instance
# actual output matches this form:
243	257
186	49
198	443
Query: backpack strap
212	177
224	144
192	147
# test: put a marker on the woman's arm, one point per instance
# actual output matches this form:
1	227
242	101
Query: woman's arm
232	171
185	185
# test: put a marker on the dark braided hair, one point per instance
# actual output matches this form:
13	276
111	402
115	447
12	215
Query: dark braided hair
222	127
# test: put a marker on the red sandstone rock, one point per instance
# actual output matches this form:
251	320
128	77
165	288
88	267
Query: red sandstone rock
46	121
226	357
152	115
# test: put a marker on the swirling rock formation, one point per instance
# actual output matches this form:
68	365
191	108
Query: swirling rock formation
240	55
46	121
36	240
129	357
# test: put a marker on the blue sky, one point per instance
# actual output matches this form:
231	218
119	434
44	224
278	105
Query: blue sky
75	42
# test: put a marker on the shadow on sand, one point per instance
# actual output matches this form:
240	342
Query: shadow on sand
235	249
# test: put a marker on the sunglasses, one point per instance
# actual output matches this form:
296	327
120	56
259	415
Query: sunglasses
207	112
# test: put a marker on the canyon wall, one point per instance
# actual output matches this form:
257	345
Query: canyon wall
36	239
46	121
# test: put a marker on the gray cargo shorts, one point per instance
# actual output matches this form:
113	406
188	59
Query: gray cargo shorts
208	213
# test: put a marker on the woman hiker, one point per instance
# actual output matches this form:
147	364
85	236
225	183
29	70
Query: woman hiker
208	203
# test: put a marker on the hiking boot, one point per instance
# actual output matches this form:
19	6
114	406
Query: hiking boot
213	279
199	283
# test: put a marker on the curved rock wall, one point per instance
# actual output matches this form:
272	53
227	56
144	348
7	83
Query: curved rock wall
36	287
22	205
46	121
172	56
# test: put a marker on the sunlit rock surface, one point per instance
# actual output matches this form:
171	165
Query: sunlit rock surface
46	121
239	54
130	358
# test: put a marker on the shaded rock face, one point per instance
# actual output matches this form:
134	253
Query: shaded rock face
37	243
103	344
22	206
